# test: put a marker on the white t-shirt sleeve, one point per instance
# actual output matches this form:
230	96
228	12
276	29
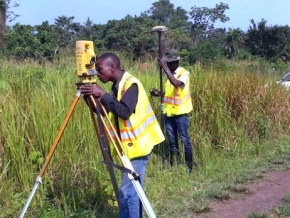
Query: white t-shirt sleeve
184	78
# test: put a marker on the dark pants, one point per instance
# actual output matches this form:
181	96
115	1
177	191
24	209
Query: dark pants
178	125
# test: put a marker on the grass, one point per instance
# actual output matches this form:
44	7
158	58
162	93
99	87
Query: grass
279	211
239	129
284	209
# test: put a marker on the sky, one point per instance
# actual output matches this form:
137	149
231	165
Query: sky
240	12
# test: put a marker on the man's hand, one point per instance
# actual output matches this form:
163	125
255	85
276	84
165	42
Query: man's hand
93	90
162	63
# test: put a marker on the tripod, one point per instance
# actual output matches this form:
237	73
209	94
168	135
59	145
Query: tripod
101	128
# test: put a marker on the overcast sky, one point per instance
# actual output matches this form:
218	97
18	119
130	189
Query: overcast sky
34	12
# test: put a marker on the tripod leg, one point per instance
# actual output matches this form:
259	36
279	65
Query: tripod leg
51	152
125	162
105	150
138	187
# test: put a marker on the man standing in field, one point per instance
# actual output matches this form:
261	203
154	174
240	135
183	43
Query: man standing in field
176	106
134	120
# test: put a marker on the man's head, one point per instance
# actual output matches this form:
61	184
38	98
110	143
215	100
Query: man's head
172	59
108	67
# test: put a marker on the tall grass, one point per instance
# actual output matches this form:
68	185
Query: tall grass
238	112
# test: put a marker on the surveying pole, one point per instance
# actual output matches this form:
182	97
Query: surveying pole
160	30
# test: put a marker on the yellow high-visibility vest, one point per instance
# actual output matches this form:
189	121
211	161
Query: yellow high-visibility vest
177	100
141	132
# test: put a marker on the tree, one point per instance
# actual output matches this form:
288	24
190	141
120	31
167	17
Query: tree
234	41
131	35
2	21
47	41
21	42
34	42
161	12
270	42
5	14
67	30
92	32
177	39
87	30
204	19
164	13
204	52
179	19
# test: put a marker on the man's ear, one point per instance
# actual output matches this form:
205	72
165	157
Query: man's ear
113	67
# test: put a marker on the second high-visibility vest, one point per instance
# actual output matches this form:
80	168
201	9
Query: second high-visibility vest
177	100
141	132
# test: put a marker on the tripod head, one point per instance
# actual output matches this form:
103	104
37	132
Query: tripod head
85	61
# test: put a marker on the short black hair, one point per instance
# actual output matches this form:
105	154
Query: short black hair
112	56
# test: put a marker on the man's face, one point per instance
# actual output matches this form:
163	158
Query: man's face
173	65
104	69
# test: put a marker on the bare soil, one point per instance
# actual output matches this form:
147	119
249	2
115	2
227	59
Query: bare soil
264	196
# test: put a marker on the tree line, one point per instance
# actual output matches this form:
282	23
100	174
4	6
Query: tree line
192	32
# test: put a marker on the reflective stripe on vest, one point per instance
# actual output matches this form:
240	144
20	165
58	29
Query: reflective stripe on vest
177	100
135	133
141	132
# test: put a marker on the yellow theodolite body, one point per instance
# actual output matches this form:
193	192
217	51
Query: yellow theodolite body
84	55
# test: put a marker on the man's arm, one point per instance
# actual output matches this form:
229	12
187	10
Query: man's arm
175	82
126	106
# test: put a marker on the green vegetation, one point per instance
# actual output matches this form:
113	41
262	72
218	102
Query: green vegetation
282	210
239	126
191	32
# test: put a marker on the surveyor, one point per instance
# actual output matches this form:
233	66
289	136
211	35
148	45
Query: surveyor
176	106
134	120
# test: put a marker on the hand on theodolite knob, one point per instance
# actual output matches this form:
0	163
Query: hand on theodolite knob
93	90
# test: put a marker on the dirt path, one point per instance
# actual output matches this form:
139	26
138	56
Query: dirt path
265	195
